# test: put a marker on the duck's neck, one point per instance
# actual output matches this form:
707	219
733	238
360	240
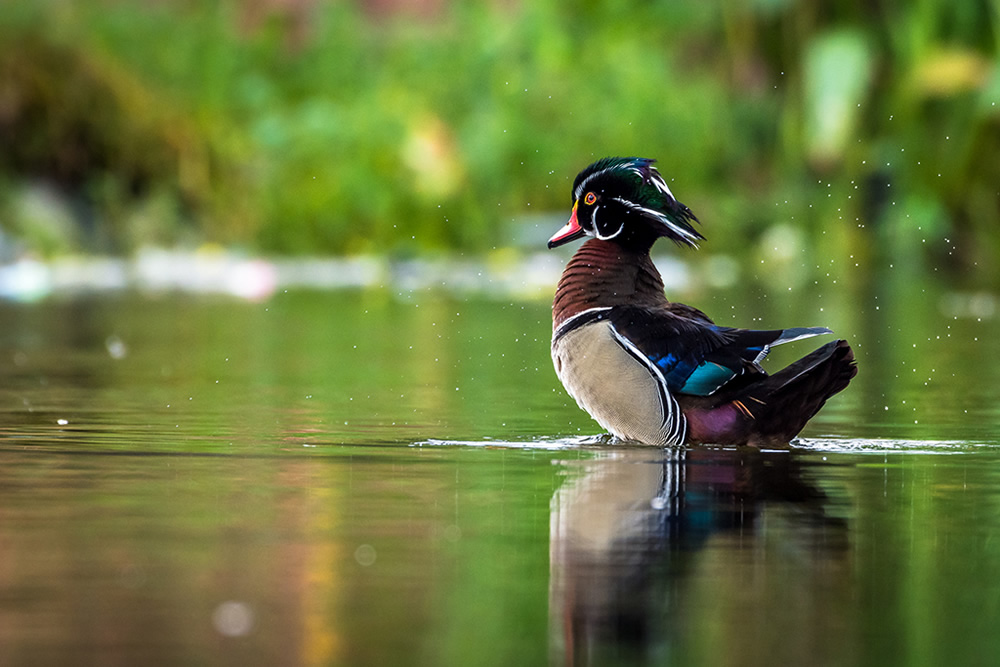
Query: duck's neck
603	274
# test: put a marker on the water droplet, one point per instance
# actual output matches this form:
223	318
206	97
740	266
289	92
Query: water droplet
365	555
233	619
116	347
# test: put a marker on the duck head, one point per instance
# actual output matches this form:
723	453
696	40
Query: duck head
626	201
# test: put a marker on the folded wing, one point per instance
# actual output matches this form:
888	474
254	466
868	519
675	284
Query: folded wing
693	355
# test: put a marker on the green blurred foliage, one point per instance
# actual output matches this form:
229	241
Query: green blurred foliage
340	127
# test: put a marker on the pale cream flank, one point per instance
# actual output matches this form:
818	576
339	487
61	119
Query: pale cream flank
615	388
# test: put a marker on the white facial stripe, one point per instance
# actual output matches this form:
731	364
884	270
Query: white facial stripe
580	188
680	231
655	177
657	180
661	185
597	233
609	236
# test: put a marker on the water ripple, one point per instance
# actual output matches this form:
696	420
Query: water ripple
882	445
546	443
831	445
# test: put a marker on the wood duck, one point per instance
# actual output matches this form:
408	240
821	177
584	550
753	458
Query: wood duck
658	372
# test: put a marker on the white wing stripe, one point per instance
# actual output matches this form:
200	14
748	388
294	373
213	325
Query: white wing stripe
674	421
659	216
818	331
569	321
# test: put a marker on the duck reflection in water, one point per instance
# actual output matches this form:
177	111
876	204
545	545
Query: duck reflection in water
697	554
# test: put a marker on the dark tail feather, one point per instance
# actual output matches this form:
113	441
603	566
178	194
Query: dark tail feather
782	403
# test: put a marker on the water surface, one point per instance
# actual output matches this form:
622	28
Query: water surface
381	477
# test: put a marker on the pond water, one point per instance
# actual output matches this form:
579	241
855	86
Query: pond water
382	477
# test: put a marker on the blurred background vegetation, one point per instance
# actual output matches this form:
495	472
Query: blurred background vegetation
404	127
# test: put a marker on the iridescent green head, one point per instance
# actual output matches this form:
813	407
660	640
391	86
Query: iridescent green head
626	200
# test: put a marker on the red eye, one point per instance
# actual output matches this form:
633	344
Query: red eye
589	199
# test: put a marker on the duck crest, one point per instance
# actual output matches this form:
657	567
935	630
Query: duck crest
602	275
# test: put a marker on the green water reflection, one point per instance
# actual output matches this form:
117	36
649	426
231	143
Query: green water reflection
376	477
